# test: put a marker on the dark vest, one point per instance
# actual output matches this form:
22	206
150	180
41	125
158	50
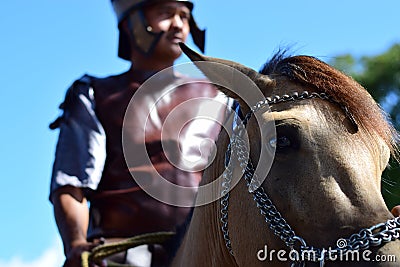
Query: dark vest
153	137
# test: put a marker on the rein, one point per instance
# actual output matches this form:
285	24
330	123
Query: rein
368	237
99	253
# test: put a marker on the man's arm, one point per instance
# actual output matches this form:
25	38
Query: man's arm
72	217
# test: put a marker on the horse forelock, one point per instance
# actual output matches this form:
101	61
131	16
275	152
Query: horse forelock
321	77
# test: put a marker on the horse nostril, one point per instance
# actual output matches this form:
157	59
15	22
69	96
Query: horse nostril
396	211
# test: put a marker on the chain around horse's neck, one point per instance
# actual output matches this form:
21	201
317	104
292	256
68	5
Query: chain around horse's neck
373	236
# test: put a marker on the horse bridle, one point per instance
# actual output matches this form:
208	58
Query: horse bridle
368	237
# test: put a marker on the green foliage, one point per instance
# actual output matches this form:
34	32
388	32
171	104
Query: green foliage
380	75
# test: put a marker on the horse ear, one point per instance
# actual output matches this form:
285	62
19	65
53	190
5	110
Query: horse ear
194	56
225	76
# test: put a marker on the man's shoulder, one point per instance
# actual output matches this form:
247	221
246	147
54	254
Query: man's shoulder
188	78
195	82
108	84
101	82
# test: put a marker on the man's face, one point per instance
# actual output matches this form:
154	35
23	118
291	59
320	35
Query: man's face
173	19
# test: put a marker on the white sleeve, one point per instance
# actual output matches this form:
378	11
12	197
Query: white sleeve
80	152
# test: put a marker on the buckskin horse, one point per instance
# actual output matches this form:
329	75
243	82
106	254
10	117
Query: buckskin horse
321	201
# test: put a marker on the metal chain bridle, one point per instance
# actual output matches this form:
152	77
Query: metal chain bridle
365	238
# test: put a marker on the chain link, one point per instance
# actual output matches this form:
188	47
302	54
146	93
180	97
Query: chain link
374	236
271	215
226	187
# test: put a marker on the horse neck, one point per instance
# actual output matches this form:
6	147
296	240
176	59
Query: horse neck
203	243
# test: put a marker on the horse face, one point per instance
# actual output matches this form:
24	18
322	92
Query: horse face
325	179
323	176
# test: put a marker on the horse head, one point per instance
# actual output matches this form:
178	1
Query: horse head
321	193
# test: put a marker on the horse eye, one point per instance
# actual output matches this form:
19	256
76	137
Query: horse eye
280	142
283	142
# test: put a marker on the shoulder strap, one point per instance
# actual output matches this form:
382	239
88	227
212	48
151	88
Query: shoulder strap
80	86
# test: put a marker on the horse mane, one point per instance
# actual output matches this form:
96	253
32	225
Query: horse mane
312	72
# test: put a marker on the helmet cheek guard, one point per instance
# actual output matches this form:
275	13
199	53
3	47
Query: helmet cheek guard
144	39
198	35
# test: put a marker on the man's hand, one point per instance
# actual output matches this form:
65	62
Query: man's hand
74	256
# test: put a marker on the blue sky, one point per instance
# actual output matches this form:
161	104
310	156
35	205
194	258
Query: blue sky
45	45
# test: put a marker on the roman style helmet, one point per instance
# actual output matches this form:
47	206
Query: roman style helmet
145	39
